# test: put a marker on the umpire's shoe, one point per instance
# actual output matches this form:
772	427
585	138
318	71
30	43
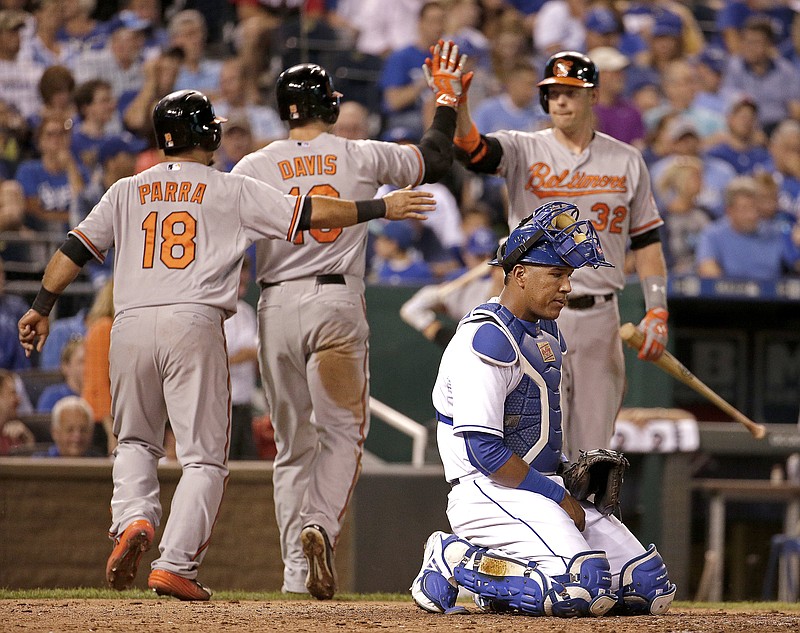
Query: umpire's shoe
165	583
321	578
123	563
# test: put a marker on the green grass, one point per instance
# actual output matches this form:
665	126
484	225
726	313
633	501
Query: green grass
89	593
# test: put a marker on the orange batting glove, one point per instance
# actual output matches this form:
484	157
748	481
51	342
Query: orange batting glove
444	73
654	327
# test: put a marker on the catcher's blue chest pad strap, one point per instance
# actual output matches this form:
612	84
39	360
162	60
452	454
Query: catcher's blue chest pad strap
533	434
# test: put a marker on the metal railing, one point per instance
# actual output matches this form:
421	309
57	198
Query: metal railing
416	431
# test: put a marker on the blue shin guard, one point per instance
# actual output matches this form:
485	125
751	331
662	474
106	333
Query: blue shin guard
585	590
644	587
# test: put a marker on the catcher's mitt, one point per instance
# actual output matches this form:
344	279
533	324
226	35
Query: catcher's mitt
599	473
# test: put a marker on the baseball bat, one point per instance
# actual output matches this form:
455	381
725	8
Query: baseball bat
471	275
634	338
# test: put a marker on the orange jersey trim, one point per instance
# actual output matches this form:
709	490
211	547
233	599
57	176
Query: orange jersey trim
646	227
421	174
98	255
298	206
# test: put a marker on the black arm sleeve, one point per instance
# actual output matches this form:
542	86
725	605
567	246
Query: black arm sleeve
645	239
436	145
486	157
304	223
76	251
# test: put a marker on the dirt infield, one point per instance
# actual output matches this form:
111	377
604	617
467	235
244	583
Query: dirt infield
245	616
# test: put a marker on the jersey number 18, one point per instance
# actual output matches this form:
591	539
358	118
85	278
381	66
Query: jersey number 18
178	232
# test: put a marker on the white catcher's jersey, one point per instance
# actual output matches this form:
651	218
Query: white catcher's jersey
331	166
608	182
180	229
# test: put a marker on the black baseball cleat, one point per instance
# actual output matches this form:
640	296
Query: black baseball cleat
321	578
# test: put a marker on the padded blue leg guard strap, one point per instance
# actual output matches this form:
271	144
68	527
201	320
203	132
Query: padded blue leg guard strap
584	590
644	586
502	581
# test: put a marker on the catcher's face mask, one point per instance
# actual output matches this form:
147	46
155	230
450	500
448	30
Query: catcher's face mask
552	236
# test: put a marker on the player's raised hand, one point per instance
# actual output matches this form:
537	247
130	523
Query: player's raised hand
654	327
444	72
407	203
574	510
34	329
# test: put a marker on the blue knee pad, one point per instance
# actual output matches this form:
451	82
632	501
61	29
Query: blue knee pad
584	590
644	587
502	582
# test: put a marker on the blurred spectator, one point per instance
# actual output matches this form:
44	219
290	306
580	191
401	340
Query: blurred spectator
96	379
665	43
616	116
679	86
14	435
733	15
710	67
237	142
52	182
72	361
264	122
463	23
790	49
12	216
559	27
79	28
430	309
604	27
19	77
685	141
742	142
760	72
784	151
741	245
379	27
241	334
769	205
517	107
71	429
678	190
45	47
98	120
11	306
160	74
397	262
402	82
149	11
188	31
62	331
120	62
650	19
57	89
253	40
353	121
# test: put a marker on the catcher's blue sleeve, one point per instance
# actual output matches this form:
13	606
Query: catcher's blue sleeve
488	453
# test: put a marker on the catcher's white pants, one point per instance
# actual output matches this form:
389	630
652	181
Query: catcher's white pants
529	526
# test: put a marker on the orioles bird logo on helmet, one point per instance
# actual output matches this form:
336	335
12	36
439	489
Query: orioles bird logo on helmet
562	67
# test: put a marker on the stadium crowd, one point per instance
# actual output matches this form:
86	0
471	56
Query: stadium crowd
708	91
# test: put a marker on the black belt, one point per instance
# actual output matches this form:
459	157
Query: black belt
584	302
454	482
321	280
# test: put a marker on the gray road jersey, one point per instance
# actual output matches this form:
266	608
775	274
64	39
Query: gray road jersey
332	166
608	182
180	230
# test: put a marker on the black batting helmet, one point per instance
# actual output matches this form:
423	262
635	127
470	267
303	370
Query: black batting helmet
186	119
568	68
306	91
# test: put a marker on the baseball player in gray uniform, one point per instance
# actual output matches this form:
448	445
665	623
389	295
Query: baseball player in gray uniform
180	230
313	331
521	542
608	181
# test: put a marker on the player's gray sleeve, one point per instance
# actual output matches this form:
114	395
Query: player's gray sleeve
96	231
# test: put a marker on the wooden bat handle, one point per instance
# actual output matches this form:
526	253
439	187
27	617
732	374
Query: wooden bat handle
634	338
471	275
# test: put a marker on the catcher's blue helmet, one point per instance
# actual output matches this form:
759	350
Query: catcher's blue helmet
552	236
